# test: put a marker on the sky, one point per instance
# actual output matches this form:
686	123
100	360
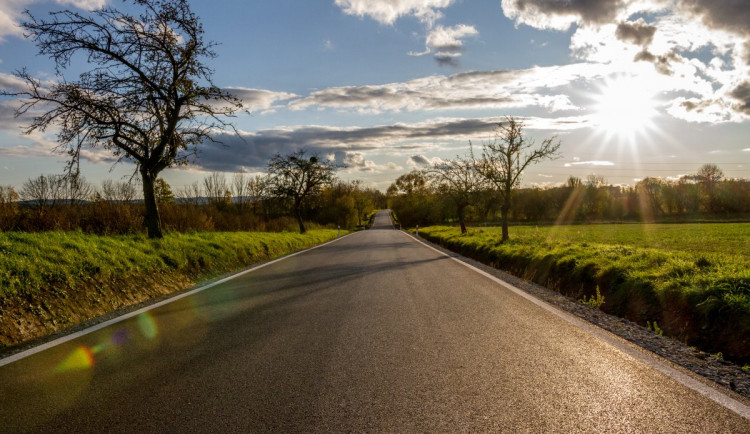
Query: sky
630	88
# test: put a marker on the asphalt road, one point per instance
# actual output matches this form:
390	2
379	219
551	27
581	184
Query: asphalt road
373	332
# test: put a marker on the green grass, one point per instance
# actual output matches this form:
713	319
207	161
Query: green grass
36	262
693	279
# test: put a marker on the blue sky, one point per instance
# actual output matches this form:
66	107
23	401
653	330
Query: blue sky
631	88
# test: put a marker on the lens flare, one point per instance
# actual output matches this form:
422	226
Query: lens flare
80	359
147	326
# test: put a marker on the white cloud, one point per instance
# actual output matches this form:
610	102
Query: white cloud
590	163
534	87
420	160
259	99
446	43
746	150
11	10
388	11
356	162
702	47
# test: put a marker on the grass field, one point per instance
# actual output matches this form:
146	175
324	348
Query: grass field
52	280
692	279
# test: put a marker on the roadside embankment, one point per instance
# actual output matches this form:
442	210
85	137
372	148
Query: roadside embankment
701	298
53	280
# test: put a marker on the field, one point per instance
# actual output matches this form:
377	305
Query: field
52	280
693	280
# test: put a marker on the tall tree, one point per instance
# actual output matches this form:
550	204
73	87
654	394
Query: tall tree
460	180
297	177
149	98
507	156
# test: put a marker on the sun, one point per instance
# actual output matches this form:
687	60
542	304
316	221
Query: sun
624	108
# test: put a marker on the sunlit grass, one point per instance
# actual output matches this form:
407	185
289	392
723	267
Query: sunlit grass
32	262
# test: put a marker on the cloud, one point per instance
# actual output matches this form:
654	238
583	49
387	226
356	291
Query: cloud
590	163
419	160
638	32
560	15
388	11
703	42
11	10
356	162
259	99
534	87
741	94
254	149
446	43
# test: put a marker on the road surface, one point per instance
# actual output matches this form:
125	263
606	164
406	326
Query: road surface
373	332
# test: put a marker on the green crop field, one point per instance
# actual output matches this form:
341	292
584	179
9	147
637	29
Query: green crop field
693	279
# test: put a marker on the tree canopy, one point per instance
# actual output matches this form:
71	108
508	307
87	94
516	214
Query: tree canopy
297	177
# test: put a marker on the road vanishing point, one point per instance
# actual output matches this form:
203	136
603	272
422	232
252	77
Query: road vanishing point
374	332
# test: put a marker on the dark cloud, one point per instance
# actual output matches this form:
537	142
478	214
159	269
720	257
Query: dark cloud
661	63
729	15
593	11
419	160
254	150
732	15
742	94
638	32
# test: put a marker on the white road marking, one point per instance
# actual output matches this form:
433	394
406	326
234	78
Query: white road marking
638	354
70	337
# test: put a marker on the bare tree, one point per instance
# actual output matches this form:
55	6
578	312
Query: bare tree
8	207
215	187
505	158
44	190
77	189
239	188
149	97
257	190
297	177
113	191
460	180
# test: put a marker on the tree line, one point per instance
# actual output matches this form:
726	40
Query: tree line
306	192
425	197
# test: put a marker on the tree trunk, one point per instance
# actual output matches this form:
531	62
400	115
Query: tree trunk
461	221
153	220
298	213
504	208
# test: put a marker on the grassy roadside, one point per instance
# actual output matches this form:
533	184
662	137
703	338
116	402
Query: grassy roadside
52	280
692	280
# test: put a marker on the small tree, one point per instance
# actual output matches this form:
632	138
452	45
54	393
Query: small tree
149	97
363	202
506	157
460	180
708	177
163	191
297	177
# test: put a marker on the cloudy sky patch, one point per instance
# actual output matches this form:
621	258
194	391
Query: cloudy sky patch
388	85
